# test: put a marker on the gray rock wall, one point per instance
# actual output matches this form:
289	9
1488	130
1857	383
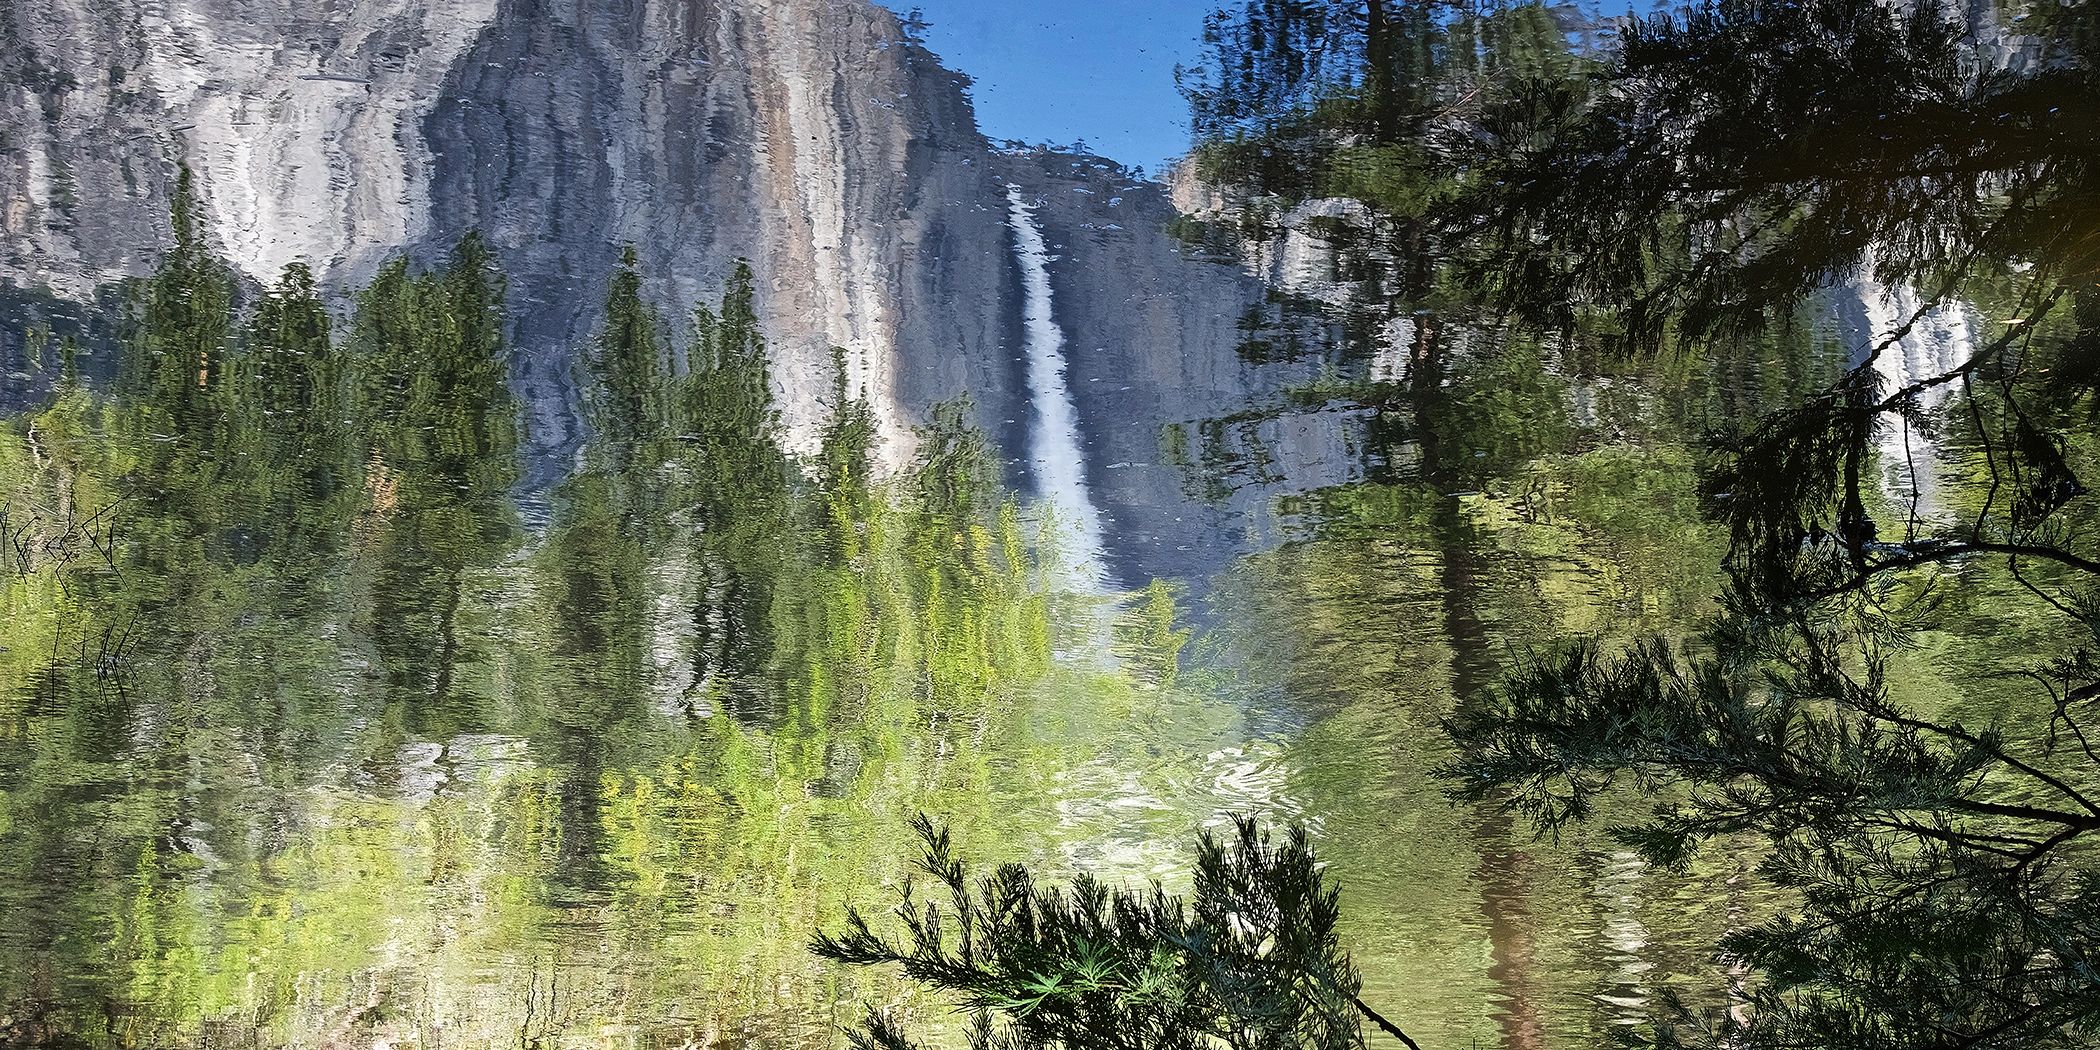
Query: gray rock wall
808	136
811	137
1188	440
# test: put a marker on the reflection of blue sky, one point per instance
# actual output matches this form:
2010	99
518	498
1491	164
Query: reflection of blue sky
1064	70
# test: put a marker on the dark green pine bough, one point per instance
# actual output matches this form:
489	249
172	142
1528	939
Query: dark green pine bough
1687	193
1250	960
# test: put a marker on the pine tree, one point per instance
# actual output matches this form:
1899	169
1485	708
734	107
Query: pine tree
1737	160
292	436
442	436
180	331
434	367
955	470
1696	187
1249	962
298	377
845	456
626	364
725	410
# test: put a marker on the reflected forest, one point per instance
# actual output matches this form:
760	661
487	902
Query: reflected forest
650	525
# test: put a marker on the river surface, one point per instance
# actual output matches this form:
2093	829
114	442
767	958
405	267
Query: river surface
315	739
403	765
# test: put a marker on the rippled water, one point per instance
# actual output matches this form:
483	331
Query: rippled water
314	739
403	768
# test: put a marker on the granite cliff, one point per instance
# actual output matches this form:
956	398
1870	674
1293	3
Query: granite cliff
815	138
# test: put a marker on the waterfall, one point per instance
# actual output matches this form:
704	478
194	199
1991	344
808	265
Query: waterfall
1053	437
1940	341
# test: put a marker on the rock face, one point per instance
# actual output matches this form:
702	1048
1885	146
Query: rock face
1186	445
812	137
301	119
809	136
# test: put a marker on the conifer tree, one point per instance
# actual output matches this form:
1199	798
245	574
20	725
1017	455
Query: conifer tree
181	328
846	454
1735	161
1723	167
443	437
1250	961
627	363
1736	157
724	405
290	407
435	370
955	468
729	431
292	351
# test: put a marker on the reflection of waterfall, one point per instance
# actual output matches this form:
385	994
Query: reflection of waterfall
1053	439
1114	813
1940	341
1625	939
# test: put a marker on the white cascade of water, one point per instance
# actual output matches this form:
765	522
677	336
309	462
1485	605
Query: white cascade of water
1053	436
1940	341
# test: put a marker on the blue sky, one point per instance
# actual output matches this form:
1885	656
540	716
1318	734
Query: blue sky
1061	70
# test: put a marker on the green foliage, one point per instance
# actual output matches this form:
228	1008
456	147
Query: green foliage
723	406
1698	180
290	699
957	466
1251	960
1945	894
1740	156
844	458
1501	411
1301	99
434	371
1735	160
1697	188
443	434
627	362
181	332
1151	637
294	400
298	371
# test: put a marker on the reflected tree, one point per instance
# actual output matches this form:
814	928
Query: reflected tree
1732	162
443	433
181	333
266	745
1699	186
736	492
